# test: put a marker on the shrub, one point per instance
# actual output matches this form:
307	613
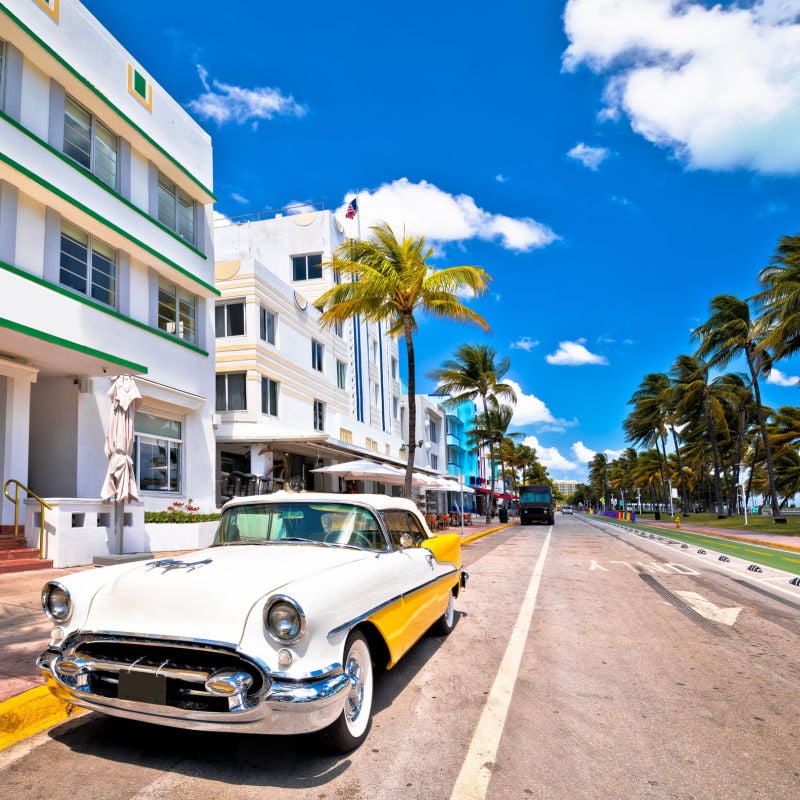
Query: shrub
180	512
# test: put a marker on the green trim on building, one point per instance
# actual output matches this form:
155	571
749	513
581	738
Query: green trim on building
57	340
88	175
103	221
100	307
20	24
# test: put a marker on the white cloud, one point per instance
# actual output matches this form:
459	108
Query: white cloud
574	354
590	157
583	453
524	343
500	178
719	85
422	209
778	378
549	456
529	409
240	198
224	103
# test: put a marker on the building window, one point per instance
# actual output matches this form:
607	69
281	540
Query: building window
394	369
341	374
229	319
338	329
307	268
88	265
268	323
90	143
395	407
175	209
177	311
373	347
433	431
319	415
231	391
317	352
157	453
434	461
269	397
376	392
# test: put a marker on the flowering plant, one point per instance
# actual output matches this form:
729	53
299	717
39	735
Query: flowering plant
179	512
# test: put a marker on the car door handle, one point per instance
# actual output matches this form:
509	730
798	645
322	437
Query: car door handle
430	558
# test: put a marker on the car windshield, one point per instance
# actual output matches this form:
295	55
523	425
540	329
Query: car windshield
321	523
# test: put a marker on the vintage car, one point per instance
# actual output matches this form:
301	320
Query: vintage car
275	628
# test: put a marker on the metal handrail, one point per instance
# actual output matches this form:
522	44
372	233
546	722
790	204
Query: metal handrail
15	500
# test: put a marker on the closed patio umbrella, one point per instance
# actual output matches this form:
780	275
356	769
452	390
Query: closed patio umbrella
120	481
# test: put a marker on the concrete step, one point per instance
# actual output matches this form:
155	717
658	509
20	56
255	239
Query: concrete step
24	565
12	543
17	553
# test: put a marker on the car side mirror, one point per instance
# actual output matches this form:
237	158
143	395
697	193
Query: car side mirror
406	540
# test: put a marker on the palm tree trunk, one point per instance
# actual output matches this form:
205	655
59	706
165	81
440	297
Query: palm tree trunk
491	460
712	435
776	513
412	406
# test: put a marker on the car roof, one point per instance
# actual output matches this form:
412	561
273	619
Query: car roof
380	502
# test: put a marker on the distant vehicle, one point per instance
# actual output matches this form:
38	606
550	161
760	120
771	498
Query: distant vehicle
566	510
536	504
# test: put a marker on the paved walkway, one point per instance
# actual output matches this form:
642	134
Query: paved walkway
781	540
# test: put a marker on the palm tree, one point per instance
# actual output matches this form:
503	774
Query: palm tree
495	429
779	299
697	397
475	372
646	424
598	476
728	333
392	281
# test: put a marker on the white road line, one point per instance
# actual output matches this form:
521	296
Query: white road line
473	780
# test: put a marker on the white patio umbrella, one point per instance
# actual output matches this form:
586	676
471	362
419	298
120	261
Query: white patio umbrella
120	481
364	469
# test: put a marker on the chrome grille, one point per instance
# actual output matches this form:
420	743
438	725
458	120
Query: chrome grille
165	672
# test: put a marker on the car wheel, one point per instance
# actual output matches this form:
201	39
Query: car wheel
352	726
447	621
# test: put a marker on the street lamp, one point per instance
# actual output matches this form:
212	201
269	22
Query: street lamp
404	446
744	503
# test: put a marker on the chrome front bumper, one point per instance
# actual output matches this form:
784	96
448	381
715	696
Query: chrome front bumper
279	707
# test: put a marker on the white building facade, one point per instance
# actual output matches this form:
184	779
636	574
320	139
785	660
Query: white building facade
292	395
106	263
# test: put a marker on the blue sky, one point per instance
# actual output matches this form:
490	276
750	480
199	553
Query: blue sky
613	164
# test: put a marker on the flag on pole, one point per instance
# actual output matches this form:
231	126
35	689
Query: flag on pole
352	209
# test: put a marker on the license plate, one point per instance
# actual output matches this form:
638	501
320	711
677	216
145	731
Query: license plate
143	687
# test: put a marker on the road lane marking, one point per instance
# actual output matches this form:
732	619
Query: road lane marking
476	771
725	616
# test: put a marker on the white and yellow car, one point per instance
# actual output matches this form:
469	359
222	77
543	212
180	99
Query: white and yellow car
273	629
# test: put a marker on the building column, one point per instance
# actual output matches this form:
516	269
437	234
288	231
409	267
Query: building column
15	413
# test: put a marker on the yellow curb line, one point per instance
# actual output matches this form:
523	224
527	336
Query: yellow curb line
475	536
28	713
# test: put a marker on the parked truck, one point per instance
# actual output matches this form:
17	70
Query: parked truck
536	504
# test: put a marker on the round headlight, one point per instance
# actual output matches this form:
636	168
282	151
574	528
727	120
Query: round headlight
284	620
56	602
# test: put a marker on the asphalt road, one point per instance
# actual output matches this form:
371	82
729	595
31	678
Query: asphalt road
587	662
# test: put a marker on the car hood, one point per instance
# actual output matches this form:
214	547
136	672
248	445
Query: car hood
208	594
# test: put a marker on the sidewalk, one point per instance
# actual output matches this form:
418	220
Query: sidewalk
26	706
780	540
